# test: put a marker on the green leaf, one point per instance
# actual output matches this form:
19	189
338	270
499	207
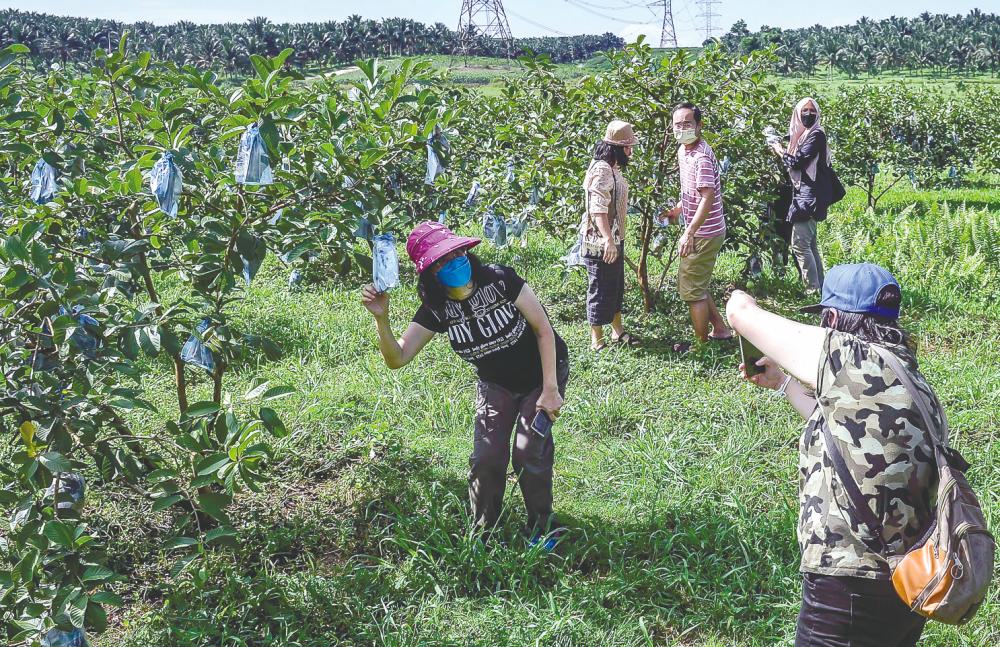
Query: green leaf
219	533
96	617
200	409
77	610
214	504
59	533
54	462
278	392
108	598
97	573
256	391
211	464
179	542
166	502
273	422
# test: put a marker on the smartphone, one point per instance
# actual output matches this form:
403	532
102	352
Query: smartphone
750	354
542	424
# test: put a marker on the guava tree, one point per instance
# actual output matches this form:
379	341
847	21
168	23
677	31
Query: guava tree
105	287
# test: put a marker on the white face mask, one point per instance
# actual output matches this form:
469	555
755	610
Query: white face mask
689	136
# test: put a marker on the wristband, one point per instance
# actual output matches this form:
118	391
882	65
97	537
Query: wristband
780	391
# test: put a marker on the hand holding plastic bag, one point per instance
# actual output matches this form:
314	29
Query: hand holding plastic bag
253	166
166	181
43	182
385	263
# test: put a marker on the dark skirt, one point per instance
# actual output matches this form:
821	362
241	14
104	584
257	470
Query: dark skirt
605	289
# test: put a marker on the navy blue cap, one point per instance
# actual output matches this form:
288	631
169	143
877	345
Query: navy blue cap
861	287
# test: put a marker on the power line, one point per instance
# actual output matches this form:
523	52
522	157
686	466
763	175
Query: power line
536	24
579	5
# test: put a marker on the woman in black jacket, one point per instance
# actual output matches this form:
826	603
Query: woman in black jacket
808	163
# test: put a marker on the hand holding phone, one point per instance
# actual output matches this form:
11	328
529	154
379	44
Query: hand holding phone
750	355
542	424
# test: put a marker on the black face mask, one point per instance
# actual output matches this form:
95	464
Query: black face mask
808	120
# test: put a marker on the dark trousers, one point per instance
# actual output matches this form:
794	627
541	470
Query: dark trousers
498	412
854	612
605	288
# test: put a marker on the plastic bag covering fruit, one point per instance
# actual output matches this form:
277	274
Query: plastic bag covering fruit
72	490
725	165
435	166
166	182
771	136
572	257
43	182
385	263
85	341
364	229
510	172
517	226
536	195
195	352
252	251
294	279
253	166
59	638
494	228
473	197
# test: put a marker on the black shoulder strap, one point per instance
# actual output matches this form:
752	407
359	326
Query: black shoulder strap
858	501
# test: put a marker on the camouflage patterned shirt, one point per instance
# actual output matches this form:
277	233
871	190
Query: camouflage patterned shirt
881	435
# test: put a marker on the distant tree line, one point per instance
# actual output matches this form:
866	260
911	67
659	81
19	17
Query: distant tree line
228	47
932	43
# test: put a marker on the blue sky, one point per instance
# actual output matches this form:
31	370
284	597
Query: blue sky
527	17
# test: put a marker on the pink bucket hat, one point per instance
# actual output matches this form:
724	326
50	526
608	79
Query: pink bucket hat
429	241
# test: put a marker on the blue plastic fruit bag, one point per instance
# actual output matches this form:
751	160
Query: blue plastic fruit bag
473	197
494	228
253	166
59	638
43	182
72	490
385	263
166	182
195	352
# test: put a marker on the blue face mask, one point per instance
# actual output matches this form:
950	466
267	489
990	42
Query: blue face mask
456	273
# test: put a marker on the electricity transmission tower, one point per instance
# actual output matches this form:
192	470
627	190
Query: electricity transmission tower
483	19
708	14
668	35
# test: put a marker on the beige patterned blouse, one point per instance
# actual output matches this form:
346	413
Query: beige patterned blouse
605	191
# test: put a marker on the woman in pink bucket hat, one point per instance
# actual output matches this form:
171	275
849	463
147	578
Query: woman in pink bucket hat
494	321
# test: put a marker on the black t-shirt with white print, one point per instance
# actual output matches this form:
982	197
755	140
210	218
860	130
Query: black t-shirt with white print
488	330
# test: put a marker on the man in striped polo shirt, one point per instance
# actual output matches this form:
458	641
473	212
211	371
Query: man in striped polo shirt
703	222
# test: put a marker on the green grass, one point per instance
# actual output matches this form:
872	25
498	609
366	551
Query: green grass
676	479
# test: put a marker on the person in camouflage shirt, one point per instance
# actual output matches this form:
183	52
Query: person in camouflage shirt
838	382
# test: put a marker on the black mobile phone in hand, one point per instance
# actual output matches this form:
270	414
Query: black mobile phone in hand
750	355
542	424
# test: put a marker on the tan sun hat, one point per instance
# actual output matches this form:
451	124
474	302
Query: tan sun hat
620	133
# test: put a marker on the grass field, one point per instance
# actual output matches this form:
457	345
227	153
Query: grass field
486	74
676	479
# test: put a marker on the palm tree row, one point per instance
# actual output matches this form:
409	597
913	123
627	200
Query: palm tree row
935	43
228	47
